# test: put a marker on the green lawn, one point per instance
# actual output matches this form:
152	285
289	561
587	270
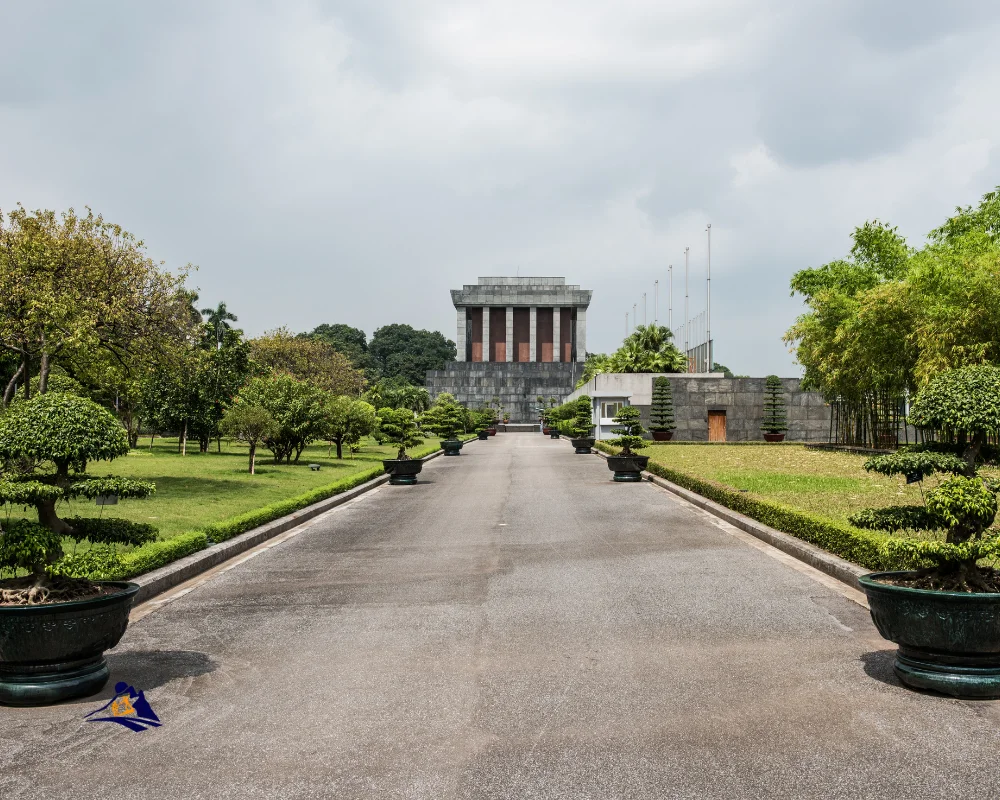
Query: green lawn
201	488
828	484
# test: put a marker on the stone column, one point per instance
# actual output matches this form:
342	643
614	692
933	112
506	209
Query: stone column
510	333
581	334
486	333
460	334
556	336
532	333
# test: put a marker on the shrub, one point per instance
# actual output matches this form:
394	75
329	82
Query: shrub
398	427
629	431
775	418
581	425
661	413
446	417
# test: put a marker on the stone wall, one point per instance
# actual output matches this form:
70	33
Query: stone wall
475	384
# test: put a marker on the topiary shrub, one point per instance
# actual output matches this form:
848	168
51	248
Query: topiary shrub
775	418
965	403
629	431
661	412
398	427
45	446
581	424
446	418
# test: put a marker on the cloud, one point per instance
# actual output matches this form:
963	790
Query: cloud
352	161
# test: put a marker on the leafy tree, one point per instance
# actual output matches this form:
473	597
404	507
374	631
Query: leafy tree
348	420
402	351
351	342
45	444
307	359
251	424
398	393
398	426
299	409
78	288
647	349
661	415
446	417
629	431
775	418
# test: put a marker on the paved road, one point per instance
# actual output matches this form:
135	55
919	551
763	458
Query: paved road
514	626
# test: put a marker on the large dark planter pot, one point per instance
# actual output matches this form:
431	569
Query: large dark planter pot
627	469
774	437
948	641
403	473
582	445
662	436
554	434
452	447
493	431
50	653
483	435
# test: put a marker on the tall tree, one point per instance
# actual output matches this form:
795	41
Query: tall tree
218	320
351	342
309	360
402	351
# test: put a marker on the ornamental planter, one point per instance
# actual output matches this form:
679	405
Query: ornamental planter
483	435
403	472
492	431
55	652
554	433
774	437
452	447
948	641
582	446
546	431
662	436
628	469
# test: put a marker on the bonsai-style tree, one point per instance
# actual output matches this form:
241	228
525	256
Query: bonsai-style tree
775	419
397	426
249	423
581	423
661	414
483	420
962	403
45	446
629	431
446	417
348	420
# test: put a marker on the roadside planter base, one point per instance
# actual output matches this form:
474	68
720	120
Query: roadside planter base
554	434
774	437
948	641
483	435
403	473
50	653
627	469
582	446
492	431
452	447
662	436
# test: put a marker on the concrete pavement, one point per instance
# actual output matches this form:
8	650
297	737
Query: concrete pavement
514	626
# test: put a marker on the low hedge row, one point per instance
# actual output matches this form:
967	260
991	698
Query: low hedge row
160	553
875	551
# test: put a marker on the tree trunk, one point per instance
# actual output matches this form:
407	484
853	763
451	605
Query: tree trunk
26	366
340	448
12	385
253	454
184	437
47	516
43	374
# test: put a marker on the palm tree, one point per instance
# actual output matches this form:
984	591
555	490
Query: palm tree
219	318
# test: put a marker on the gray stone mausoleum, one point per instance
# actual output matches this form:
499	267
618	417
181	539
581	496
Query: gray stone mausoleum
517	338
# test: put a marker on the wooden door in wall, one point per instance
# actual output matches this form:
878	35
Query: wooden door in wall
716	426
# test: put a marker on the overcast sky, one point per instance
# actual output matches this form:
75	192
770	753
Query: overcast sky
353	161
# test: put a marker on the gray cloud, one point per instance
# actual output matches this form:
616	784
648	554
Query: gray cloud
352	161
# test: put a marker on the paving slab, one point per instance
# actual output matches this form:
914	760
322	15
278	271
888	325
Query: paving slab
516	625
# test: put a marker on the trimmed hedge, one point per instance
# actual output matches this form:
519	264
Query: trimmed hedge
156	554
875	551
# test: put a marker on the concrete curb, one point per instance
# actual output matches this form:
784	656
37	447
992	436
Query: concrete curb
816	557
183	569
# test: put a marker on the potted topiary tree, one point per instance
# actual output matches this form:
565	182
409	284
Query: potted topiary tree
944	613
582	425
482	421
775	421
627	465
661	412
398	427
446	418
54	628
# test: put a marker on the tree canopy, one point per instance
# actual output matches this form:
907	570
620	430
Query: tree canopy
649	348
307	359
402	351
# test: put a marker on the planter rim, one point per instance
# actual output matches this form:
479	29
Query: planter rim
871	583
128	589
